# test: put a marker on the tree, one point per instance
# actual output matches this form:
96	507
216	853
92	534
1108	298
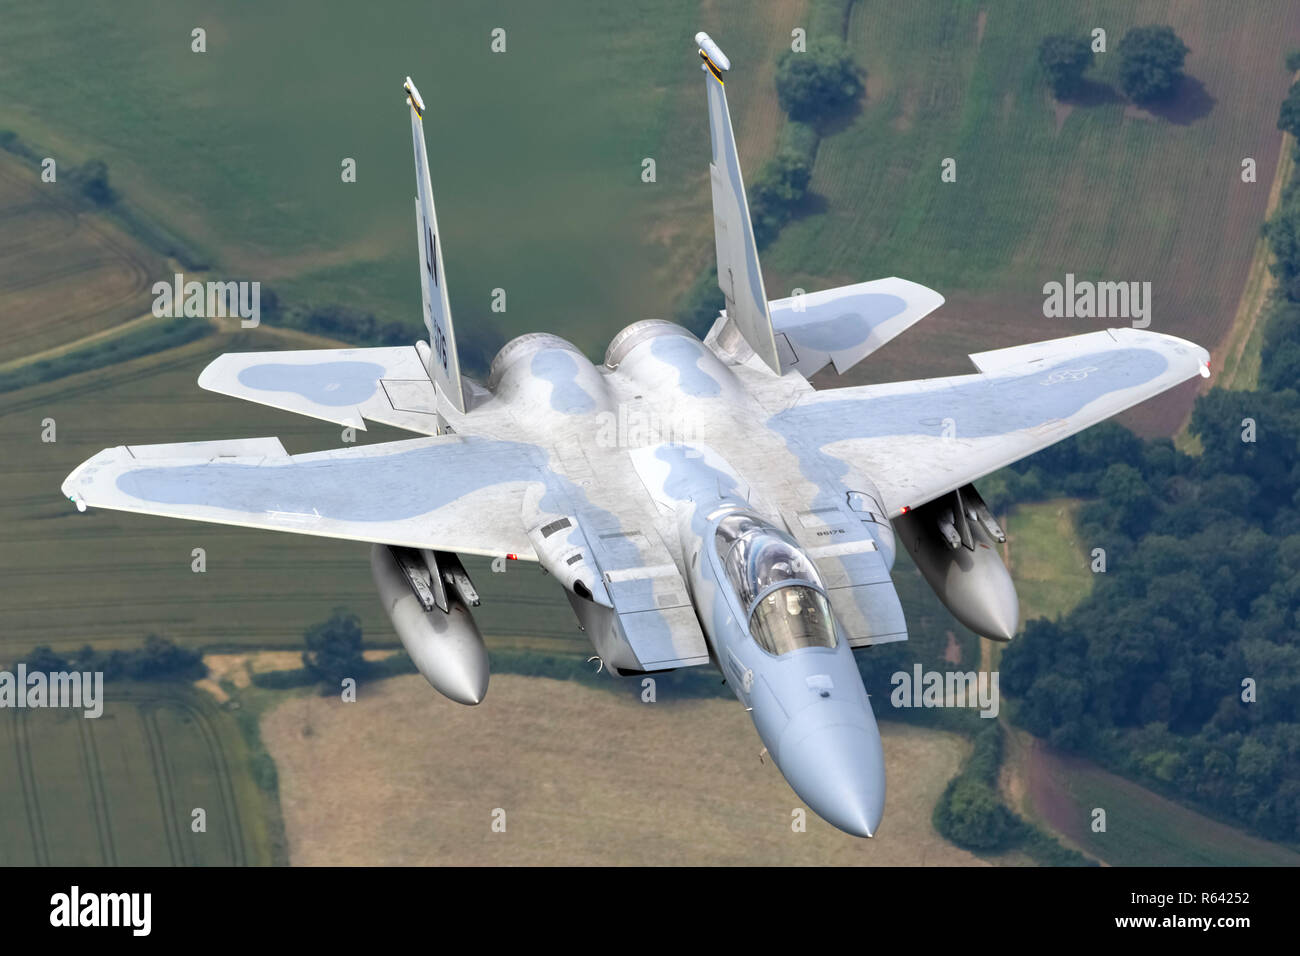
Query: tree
1283	235
1289	119
970	814
334	648
1064	59
817	83
161	658
774	194
45	660
1128	495
1281	367
92	178
1151	63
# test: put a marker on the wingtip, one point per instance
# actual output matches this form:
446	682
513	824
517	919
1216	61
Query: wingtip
208	375
712	51
413	97
72	486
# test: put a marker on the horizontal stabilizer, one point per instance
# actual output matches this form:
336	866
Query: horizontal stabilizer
344	386
843	326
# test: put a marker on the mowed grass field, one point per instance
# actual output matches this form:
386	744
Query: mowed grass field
536	153
121	789
109	578
64	272
1048	562
1104	191
585	776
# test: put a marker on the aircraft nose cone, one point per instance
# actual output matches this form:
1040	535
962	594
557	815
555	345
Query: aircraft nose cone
839	771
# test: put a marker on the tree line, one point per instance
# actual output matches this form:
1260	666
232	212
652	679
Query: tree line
1182	667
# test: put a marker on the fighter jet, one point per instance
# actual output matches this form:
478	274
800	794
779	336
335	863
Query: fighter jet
747	521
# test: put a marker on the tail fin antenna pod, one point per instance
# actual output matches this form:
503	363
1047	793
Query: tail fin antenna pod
739	276
443	362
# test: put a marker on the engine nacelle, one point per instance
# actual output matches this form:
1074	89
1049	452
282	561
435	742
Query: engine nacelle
953	541
548	381
427	605
665	361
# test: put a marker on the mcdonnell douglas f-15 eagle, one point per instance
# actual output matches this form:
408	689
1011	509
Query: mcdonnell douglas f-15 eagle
758	537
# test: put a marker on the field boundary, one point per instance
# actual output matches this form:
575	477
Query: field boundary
1238	354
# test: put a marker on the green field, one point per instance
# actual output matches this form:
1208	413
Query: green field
65	272
535	153
1142	827
1049	563
1103	190
120	789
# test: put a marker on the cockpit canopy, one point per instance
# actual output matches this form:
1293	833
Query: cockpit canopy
777	584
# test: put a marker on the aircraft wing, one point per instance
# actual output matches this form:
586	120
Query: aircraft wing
919	440
450	493
344	386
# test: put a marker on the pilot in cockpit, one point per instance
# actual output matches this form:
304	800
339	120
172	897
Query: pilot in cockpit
777	584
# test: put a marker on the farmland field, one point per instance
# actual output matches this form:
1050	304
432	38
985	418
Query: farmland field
406	777
65	272
1142	827
1048	563
536	153
1104	190
120	789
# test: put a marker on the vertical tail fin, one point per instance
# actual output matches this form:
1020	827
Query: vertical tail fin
443	363
739	275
